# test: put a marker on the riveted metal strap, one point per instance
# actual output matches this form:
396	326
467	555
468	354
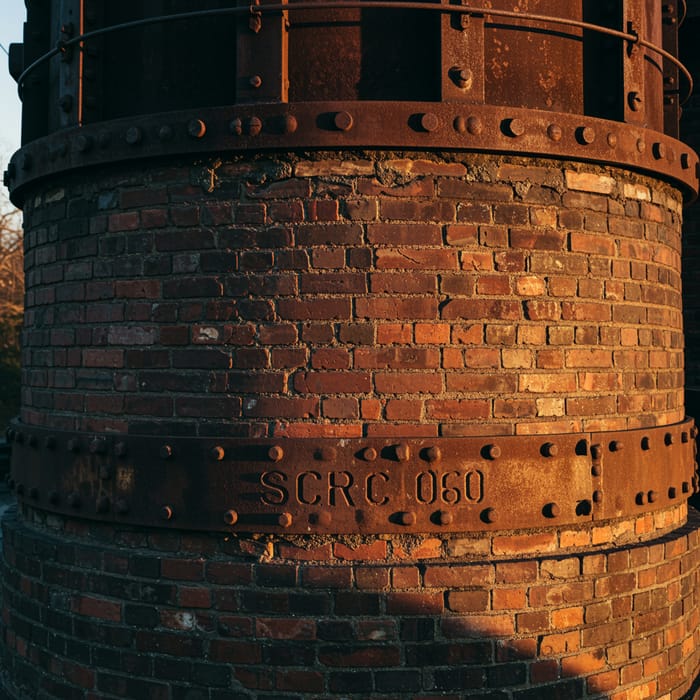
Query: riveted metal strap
364	486
338	125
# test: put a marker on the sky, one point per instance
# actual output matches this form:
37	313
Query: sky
12	15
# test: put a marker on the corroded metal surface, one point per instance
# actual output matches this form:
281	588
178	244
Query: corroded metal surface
569	79
334	125
360	485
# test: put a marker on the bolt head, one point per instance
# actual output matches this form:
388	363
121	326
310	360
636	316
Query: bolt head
285	520
166	451
552	510
433	454
255	81
133	136
555	132
166	513
492	451
230	517
217	453
403	452
444	517
475	126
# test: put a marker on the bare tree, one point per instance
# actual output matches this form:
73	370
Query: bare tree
11	307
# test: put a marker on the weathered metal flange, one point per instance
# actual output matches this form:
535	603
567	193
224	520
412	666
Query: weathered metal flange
337	125
365	486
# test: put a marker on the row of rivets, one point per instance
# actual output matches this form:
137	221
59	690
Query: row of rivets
275	453
73	499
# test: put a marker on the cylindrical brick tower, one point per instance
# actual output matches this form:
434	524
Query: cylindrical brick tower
353	354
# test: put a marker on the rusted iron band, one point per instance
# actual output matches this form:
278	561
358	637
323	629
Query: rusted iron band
364	486
339	125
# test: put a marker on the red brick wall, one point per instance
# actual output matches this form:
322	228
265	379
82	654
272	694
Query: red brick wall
342	297
90	612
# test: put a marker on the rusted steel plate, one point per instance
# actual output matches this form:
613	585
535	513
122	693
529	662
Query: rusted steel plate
351	486
643	469
529	65
413	125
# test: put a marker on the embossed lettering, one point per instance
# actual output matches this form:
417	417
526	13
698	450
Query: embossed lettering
276	495
304	493
474	486
449	494
335	487
426	487
371	491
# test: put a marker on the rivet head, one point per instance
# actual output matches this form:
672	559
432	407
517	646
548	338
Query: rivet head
255	81
596	451
475	126
120	449
98	447
460	125
166	451
551	510
596	470
289	124
617	446
586	135
73	500
492	451
641	498
73	445
230	517
612	140
236	127
549	449
403	452
134	135
322	518
597	497
433	454
121	506
668	439
684	436
685	487
444	517
653	496
514	127
429	122
343	121
658	150
254	126
641	146
554	131
285	520
694	432
369	454
166	513
196	128
489	515
166	133
646	443
685	161
328	454
672	492
634	100
462	77
217	453
275	453
83	143
407	518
